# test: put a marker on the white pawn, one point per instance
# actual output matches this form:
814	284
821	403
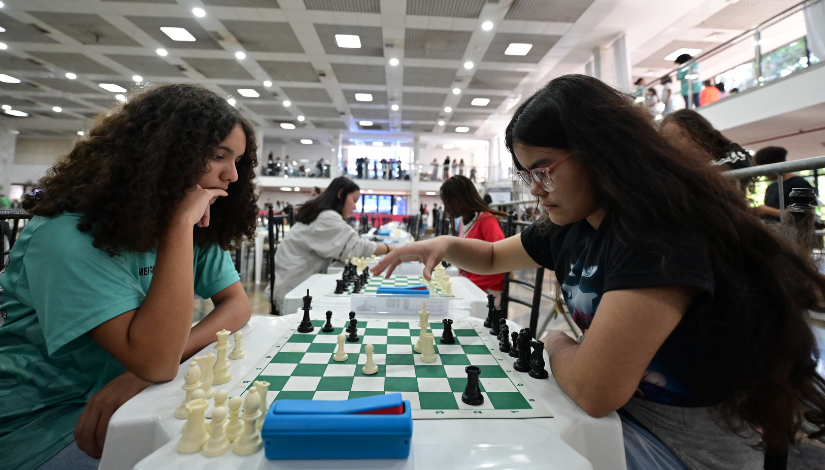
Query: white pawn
263	387
206	363
424	322
218	443
237	353
340	355
370	367
428	350
249	441
448	287
221	369
193	375
235	426
195	433
220	398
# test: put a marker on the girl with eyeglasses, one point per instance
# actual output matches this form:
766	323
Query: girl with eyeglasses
694	315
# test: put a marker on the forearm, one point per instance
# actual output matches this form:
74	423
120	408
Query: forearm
231	314
475	256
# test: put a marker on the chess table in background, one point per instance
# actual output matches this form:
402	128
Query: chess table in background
300	366
395	281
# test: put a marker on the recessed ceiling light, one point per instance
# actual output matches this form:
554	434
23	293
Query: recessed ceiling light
267	83
462	129
297	188
57	109
448	109
448	146
349	41
178	34
518	48
161	52
198	12
137	78
8	79
112	87
2	4
456	91
365	123
469	65
287	103
3	46
673	55
287	125
120	98
487	25
6	107
286	189
440	123
231	101
14	112
70	76
370	191
248	93
431	193
2	29
480	101
363	97
306	142
394	61
394	107
301	118
378	144
81	133
240	55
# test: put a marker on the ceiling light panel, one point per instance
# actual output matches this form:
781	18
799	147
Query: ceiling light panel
112	87
178	34
366	97
348	41
517	48
248	93
480	102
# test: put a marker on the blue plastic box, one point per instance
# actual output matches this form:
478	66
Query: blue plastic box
345	429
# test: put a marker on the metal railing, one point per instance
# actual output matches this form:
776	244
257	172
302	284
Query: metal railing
8	238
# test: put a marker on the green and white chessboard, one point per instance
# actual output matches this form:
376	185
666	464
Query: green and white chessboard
300	366
395	281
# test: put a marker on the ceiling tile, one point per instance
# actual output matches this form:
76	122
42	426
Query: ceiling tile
372	44
451	129
541	45
22	32
269	109
307	95
329	124
64	84
424	99
419	115
353	6
468	118
77	63
746	14
429	77
562	11
263	93
102	101
264	36
13	101
9	62
378	97
435	44
219	68
417	127
468	98
370	113
243	3
58	101
289	71
148	66
52	115
168	2
360	74
320	111
151	25
86	29
449	8
496	79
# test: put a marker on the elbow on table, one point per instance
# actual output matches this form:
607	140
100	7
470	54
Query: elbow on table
155	372
599	405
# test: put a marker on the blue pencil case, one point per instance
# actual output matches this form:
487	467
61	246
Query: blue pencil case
376	427
409	290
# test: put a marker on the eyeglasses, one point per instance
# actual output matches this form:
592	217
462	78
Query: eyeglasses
541	176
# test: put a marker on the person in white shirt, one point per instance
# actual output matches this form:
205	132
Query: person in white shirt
320	236
667	95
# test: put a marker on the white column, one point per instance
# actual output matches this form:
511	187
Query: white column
259	138
621	60
335	156
494	169
8	144
815	24
415	177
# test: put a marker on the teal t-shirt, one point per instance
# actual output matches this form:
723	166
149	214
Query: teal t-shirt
682	73
56	288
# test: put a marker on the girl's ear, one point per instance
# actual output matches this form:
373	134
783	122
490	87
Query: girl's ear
339	193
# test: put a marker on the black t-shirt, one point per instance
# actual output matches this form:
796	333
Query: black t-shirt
772	193
589	262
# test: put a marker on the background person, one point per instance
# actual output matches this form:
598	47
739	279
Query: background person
689	74
770	209
667	95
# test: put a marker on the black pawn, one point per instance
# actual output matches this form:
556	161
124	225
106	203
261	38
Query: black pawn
357	287
339	286
447	336
537	370
353	331
504	344
502	323
306	323
328	325
514	345
491	305
523	362
472	393
495	323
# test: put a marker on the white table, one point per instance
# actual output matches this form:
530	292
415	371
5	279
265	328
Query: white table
410	268
143	433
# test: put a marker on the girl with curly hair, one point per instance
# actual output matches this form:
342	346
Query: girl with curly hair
98	297
694	313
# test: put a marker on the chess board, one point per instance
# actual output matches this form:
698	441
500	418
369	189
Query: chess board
395	281
300	366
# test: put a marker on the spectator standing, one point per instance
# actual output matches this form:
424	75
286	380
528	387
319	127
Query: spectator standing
473	174
667	95
686	75
454	167
770	209
722	92
461	167
434	164
710	94
446	172
652	101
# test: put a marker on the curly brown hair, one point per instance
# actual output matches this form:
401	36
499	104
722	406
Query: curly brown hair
139	160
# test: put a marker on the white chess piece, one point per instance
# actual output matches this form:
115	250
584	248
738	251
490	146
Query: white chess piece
221	371
218	443
235	426
369	368
237	353
448	287
192	378
263	387
249	441
220	398
424	322
340	355
428	350
195	433
206	363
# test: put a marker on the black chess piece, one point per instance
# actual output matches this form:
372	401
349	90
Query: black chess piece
537	370
502	322
522	364
356	289
504	344
514	345
494	322
447	336
491	305
327	328
351	318
306	324
353	331
339	286
472	392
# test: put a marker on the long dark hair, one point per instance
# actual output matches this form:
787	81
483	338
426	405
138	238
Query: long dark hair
703	134
128	176
756	322
329	199
459	194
